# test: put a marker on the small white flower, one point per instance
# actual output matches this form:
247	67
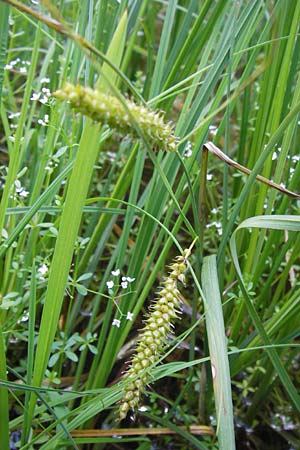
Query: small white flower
124	284
23	70
43	96
22	192
188	150
35	96
116	272
129	316
4	234
43	269
213	129
209	177
111	156
44	121
13	115
44	99
143	409
130	280
110	284
45	80
116	323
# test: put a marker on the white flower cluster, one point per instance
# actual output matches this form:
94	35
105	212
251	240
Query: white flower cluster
18	65
42	96
125	282
43	270
188	150
19	191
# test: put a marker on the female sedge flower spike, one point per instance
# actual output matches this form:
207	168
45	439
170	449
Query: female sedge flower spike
108	110
153	336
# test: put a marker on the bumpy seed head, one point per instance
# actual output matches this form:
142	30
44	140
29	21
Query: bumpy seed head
153	337
108	109
123	409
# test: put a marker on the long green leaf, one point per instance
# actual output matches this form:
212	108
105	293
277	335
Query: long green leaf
4	405
4	14
218	353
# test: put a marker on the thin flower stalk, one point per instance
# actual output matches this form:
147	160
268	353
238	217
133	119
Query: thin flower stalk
153	336
108	110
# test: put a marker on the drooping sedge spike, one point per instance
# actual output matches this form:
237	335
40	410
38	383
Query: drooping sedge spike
107	109
153	336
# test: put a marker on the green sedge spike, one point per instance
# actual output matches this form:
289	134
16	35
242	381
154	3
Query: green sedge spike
153	336
108	110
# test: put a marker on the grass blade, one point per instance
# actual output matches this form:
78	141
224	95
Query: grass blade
218	353
4	416
4	14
